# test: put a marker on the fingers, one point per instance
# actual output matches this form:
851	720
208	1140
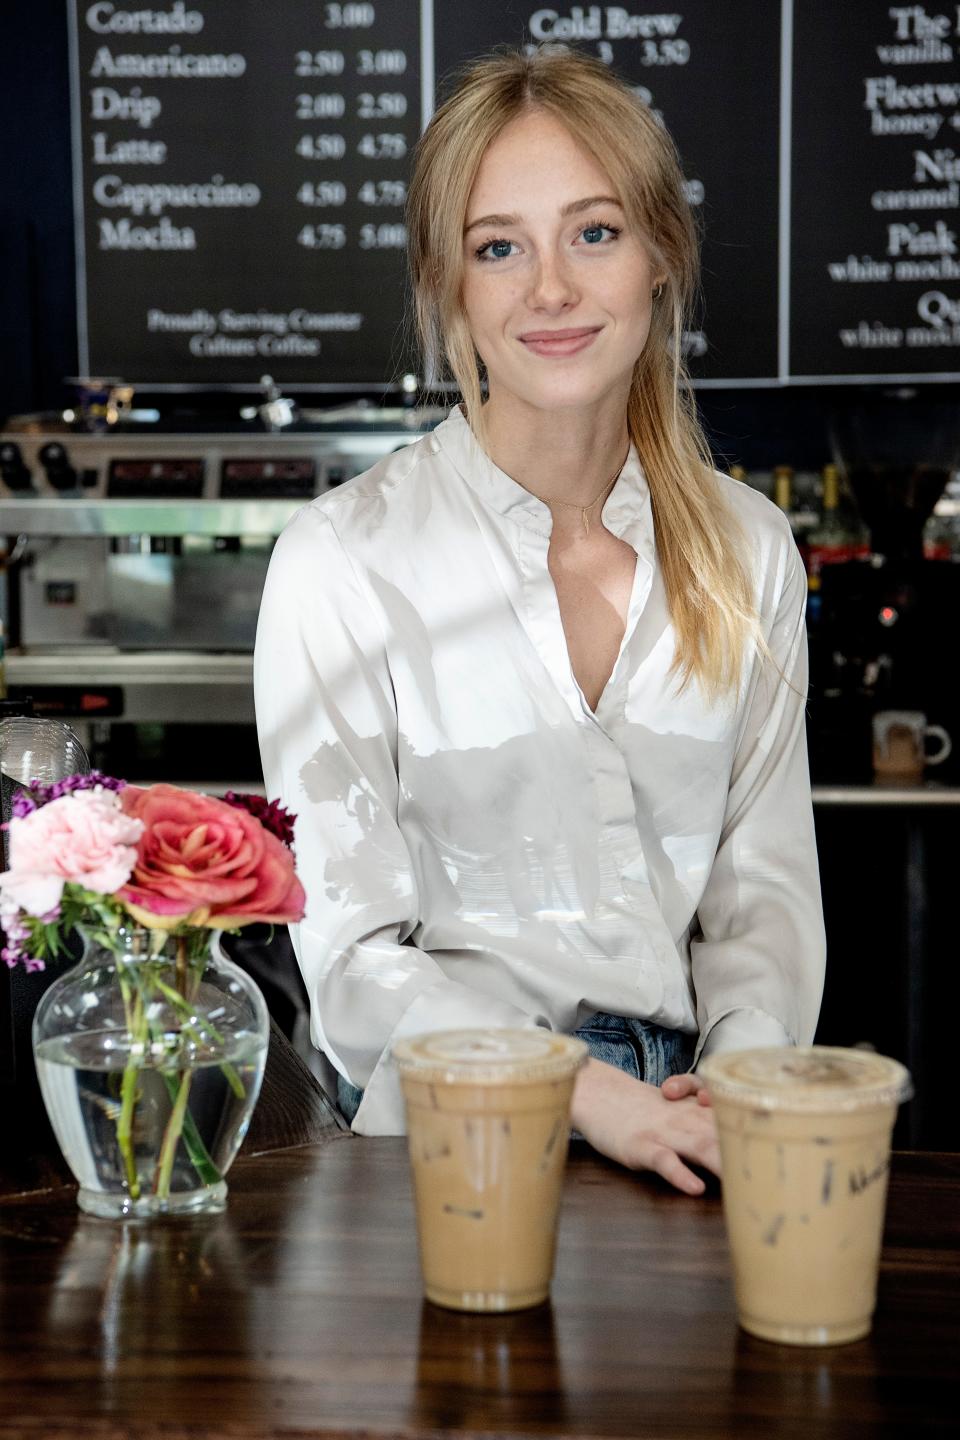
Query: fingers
693	1135
709	1158
679	1087
646	1127
685	1134
700	1149
667	1162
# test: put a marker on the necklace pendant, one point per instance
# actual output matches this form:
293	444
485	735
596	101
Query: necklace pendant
586	522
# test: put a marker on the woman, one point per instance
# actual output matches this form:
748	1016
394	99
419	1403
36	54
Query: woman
534	685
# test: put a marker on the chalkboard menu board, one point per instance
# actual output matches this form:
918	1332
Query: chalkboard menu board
241	171
875	262
709	76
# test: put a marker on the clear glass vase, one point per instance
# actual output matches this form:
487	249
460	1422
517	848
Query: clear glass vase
150	1055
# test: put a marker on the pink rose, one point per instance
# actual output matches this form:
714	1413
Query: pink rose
83	838
204	862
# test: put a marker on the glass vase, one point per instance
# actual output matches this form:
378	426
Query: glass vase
150	1053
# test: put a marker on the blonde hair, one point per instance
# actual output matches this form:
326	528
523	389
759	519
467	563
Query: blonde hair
699	544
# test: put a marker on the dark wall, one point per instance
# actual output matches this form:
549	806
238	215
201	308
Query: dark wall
38	343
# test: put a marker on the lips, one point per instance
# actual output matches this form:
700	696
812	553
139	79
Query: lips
559	342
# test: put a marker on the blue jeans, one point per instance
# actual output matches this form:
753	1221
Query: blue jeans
642	1049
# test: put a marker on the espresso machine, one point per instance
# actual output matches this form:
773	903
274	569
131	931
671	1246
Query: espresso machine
882	638
135	557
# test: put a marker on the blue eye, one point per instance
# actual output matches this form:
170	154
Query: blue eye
594	232
495	248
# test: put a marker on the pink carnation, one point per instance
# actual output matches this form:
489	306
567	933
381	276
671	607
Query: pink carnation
83	838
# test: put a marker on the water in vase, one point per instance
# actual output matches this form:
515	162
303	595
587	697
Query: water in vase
83	1089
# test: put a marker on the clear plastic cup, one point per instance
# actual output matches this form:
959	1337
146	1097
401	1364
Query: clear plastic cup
488	1121
805	1146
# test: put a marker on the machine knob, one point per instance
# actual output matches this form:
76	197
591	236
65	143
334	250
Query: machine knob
60	473
13	472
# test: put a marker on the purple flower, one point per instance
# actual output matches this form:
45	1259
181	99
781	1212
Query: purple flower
33	796
17	936
11	922
15	932
272	815
12	955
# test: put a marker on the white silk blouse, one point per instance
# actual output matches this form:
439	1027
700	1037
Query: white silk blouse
477	846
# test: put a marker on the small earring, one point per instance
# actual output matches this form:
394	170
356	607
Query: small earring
657	292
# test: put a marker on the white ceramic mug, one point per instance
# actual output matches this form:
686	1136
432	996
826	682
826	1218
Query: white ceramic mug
900	745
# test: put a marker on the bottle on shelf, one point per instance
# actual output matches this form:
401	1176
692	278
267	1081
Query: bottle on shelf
785	496
783	488
838	536
806	509
939	540
941	534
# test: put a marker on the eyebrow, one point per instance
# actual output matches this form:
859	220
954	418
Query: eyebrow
574	207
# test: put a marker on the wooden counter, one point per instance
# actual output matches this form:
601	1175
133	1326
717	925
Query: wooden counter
299	1313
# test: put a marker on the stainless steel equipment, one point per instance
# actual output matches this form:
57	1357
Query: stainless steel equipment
135	559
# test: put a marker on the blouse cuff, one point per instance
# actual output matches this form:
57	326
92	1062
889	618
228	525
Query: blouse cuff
743	1028
444	1005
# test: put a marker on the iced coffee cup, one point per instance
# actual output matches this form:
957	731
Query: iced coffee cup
488	1121
805	1146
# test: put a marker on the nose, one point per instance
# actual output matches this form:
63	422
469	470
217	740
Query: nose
552	286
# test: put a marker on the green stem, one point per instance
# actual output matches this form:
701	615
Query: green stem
200	1157
228	1071
182	966
171	1137
188	963
128	1099
233	1080
127	996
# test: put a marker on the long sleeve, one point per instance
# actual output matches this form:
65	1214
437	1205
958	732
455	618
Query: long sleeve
759	960
327	725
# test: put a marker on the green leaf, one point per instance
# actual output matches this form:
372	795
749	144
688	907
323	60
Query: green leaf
195	1148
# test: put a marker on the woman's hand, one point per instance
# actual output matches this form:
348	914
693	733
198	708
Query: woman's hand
678	1087
636	1124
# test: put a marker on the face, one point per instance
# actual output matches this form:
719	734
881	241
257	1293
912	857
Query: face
557	287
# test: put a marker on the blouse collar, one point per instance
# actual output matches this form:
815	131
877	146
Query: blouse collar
627	502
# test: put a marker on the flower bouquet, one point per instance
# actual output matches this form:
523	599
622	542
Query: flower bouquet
150	1051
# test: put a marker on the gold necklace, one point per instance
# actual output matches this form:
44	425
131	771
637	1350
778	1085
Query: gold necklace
584	509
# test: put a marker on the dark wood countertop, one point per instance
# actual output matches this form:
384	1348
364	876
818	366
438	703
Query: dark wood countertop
299	1313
